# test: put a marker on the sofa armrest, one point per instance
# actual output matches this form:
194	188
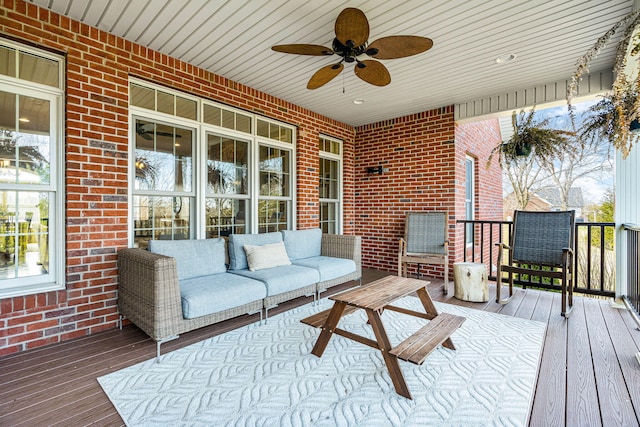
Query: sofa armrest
343	246
149	292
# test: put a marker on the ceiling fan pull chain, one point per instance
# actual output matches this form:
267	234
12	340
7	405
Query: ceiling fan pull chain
343	81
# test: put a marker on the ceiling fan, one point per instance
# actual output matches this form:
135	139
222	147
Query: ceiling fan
146	131
351	42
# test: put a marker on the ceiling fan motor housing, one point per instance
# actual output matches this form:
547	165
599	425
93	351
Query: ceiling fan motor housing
348	53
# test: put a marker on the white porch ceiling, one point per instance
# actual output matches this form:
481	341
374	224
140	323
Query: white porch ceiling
233	39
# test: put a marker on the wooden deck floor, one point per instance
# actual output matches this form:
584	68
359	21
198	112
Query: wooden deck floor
589	375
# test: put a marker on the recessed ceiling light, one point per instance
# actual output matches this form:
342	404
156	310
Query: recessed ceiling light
24	120
506	58
359	101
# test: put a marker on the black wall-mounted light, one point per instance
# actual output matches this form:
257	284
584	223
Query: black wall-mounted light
375	169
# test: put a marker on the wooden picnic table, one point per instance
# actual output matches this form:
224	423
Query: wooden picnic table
376	297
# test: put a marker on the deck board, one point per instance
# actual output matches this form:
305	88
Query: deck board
625	353
613	396
549	400
588	362
582	394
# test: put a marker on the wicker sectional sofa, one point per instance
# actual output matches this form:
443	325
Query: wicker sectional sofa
181	285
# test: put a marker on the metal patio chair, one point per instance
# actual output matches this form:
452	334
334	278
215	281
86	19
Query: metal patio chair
425	242
544	240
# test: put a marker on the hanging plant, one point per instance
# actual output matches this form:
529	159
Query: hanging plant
619	111
616	120
531	137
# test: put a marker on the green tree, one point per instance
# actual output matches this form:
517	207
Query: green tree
605	213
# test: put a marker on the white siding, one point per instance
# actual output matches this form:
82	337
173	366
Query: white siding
627	210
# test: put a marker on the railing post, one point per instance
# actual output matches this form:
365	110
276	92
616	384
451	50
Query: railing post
632	299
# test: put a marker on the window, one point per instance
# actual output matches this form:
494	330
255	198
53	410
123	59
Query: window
205	170
163	185
227	193
469	197
330	185
31	240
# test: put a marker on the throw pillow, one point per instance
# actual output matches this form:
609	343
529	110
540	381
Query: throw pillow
266	256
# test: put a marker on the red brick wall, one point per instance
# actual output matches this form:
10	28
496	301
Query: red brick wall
96	149
425	157
477	140
418	151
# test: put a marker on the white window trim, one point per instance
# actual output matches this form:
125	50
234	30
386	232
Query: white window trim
56	279
473	194
339	158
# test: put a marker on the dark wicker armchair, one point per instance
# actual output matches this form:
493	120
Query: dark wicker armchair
540	239
425	242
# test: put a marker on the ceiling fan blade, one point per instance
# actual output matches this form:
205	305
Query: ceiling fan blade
303	49
373	72
393	47
352	25
324	75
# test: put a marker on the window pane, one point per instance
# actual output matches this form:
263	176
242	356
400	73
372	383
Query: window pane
24	234
263	128
243	123
39	70
143	97
286	135
212	115
274	172
186	108
164	218
25	154
226	216
329	179
7	111
227	165
272	216
7	61
165	103
328	217
228	119
164	159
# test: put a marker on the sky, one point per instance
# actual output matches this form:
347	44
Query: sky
595	186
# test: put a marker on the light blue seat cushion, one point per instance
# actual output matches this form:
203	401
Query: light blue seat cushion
302	243
328	267
218	292
237	255
282	279
194	258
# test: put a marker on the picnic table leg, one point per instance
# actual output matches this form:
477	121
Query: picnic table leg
390	360
329	326
430	308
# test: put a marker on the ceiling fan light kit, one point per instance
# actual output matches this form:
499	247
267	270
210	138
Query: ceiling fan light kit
351	43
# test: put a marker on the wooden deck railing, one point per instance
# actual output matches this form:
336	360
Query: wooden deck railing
594	254
632	297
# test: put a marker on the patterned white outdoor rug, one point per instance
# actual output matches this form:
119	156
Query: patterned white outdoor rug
265	376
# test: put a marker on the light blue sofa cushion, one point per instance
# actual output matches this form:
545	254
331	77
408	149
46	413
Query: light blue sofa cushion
218	292
328	267
302	243
282	279
194	257
237	255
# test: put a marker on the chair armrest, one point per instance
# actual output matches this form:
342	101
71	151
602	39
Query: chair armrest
504	246
342	246
149	292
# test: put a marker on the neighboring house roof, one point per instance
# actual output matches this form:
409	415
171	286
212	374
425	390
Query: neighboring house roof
535	204
552	195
